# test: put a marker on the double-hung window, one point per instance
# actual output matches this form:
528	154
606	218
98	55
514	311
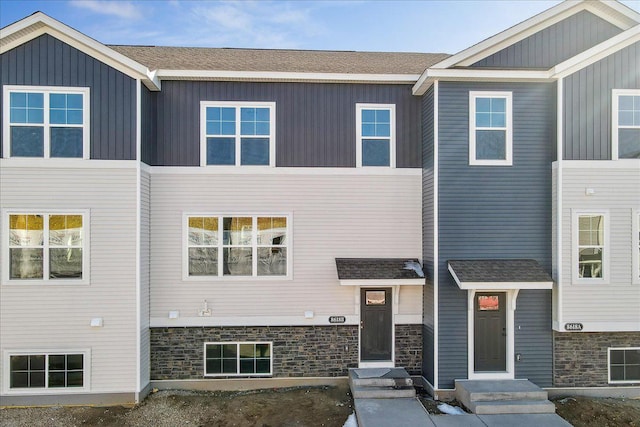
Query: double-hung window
46	247
238	133
490	128
591	250
227	246
47	122
375	135
626	124
47	371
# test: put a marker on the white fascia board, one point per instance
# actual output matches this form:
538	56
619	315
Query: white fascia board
38	24
474	74
596	53
494	286
163	74
197	321
382	282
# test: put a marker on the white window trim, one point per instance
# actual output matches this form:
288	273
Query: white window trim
238	374
635	230
254	245
392	134
609	366
615	97
86	386
46	90
86	246
575	213
237	136
508	161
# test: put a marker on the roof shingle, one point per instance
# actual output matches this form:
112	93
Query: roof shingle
499	270
375	269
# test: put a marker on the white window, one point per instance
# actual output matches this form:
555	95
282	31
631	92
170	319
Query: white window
490	128
591	230
376	135
47	122
238	359
238	133
626	124
66	370
624	365
46	247
242	246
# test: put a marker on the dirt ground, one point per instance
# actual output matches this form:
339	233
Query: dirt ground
290	407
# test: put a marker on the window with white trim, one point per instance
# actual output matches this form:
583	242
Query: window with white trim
624	365
46	371
47	122
591	246
46	247
238	133
626	124
238	359
376	135
227	246
490	128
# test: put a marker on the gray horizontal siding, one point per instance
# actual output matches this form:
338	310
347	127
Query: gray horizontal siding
587	100
315	123
46	61
533	337
490	211
554	44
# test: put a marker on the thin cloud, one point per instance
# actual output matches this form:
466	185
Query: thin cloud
121	9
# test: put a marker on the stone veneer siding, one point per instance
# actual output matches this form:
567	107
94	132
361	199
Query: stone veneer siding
409	348
580	358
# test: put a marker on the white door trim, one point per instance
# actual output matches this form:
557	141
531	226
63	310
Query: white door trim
395	290
512	295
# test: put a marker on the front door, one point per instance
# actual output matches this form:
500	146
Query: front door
490	332
375	325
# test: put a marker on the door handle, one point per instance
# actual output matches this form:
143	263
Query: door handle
361	324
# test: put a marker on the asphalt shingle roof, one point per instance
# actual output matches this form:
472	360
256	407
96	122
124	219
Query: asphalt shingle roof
374	269
279	60
499	270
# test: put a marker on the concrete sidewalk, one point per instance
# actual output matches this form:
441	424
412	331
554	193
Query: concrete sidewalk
410	413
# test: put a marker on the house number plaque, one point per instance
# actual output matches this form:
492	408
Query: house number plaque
573	326
337	319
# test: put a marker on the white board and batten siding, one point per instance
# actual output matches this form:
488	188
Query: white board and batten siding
47	316
331	216
611	305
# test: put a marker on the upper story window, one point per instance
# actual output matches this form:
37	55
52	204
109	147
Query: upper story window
48	122
227	246
46	247
626	124
376	135
591	236
490	128
238	133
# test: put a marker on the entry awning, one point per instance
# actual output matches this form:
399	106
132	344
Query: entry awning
497	274
379	271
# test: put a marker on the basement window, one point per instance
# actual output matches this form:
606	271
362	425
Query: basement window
238	359
624	365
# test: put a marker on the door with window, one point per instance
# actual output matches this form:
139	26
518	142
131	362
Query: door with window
375	325
490	332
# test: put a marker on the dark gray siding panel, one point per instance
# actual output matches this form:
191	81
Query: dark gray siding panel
46	61
149	125
587	100
491	211
543	50
315	123
428	304
533	337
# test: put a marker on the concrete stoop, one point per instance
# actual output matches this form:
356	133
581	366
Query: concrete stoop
491	397
381	383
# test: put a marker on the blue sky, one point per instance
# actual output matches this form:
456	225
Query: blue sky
404	26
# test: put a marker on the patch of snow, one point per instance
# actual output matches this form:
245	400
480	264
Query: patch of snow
450	410
351	421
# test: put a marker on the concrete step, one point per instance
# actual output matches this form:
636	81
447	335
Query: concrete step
367	392
468	391
494	407
382	382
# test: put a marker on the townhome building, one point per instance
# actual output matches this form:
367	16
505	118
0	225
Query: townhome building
181	217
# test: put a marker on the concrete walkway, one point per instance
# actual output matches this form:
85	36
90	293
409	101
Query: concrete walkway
410	413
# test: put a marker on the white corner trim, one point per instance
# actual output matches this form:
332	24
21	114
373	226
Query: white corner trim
139	385
559	163
436	224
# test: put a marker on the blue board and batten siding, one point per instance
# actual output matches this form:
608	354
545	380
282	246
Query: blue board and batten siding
541	50
428	305
47	61
496	212
587	101
315	123
149	131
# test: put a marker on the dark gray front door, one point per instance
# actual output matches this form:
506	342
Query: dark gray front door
375	325
490	332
